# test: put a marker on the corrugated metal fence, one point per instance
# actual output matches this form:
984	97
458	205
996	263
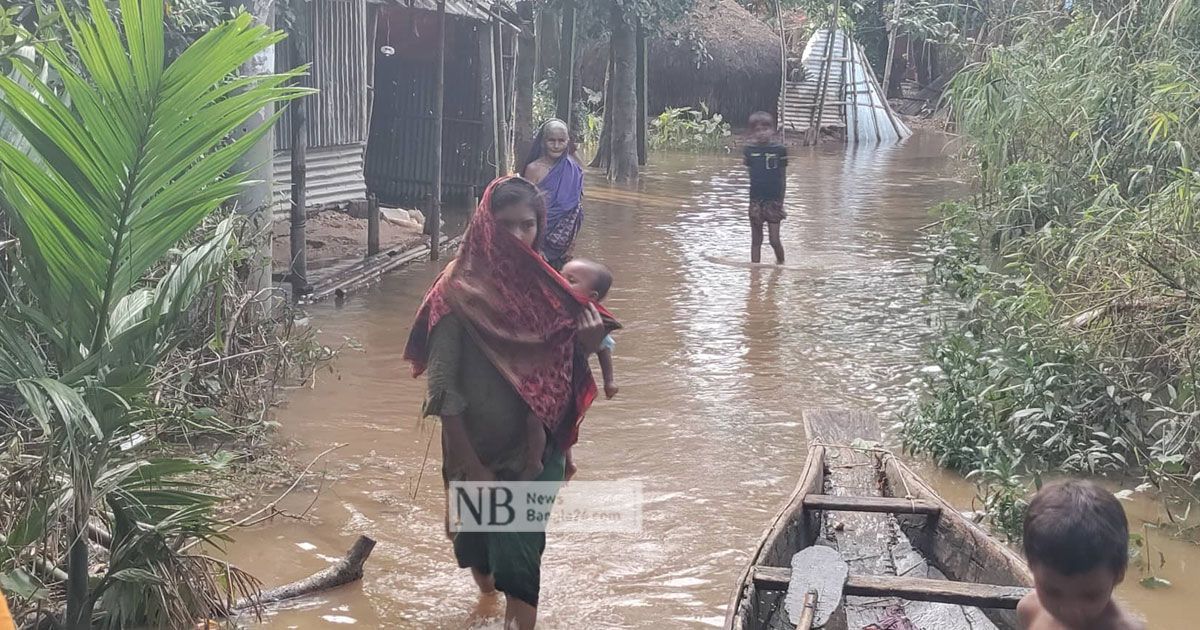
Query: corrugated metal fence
337	114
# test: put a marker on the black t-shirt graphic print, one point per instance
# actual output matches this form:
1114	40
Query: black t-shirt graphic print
767	164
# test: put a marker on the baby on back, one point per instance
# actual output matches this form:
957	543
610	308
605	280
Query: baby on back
593	281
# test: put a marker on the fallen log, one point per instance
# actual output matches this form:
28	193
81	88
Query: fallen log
347	570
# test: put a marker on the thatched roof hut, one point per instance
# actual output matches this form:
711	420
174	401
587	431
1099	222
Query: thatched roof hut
720	55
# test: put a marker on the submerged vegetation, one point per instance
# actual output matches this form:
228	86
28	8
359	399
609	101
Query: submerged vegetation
1077	260
121	317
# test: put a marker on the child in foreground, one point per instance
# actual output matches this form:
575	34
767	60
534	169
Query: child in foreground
592	280
1077	545
767	161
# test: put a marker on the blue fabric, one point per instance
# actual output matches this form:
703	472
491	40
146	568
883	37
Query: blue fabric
563	189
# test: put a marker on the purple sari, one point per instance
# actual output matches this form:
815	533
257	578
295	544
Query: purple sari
563	192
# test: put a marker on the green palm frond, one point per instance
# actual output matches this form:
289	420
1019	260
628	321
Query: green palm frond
134	164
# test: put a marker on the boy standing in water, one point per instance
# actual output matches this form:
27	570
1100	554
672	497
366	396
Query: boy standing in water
767	161
1077	545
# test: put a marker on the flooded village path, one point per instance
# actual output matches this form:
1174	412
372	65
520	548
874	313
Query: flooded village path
716	364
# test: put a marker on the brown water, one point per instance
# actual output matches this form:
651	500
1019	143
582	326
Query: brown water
716	364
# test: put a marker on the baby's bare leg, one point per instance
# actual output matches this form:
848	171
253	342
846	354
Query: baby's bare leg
606	370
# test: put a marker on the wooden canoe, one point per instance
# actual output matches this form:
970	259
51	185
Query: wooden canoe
981	572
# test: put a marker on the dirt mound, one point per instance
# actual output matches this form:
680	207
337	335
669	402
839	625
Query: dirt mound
720	55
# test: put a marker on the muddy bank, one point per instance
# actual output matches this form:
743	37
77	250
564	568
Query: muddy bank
333	235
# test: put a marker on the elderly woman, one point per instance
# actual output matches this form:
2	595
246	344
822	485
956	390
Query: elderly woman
504	341
554	168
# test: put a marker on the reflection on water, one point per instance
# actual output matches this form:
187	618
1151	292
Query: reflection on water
716	364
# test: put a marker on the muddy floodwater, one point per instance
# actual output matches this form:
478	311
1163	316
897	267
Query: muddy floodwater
716	364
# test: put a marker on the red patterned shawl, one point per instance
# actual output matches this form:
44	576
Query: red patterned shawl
521	313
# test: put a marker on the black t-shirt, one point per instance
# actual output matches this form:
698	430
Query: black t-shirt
767	164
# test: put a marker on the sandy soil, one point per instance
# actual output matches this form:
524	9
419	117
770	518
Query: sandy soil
333	235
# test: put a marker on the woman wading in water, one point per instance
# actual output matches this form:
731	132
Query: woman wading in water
503	339
553	167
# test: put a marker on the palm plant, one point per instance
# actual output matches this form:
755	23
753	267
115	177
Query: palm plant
132	158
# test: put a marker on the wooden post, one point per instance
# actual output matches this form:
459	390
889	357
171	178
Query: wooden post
643	94
566	64
501	98
298	267
372	224
434	220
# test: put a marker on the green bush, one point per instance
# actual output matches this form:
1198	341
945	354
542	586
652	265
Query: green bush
1077	259
687	129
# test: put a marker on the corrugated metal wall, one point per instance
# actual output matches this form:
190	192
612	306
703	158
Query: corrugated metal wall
337	114
335	176
400	150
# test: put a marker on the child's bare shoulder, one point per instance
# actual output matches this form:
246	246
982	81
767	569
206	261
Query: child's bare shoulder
1028	609
1127	621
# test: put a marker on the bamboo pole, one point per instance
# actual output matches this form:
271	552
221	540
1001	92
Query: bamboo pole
439	105
501	130
643	94
854	97
298	266
871	94
893	27
783	74
887	109
566	64
814	131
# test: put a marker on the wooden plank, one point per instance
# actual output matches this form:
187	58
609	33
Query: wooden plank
772	578
890	505
938	591
835	427
911	589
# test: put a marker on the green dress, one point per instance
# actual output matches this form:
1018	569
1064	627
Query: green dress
463	382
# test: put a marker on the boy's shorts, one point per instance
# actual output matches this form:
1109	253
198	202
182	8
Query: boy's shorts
767	211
